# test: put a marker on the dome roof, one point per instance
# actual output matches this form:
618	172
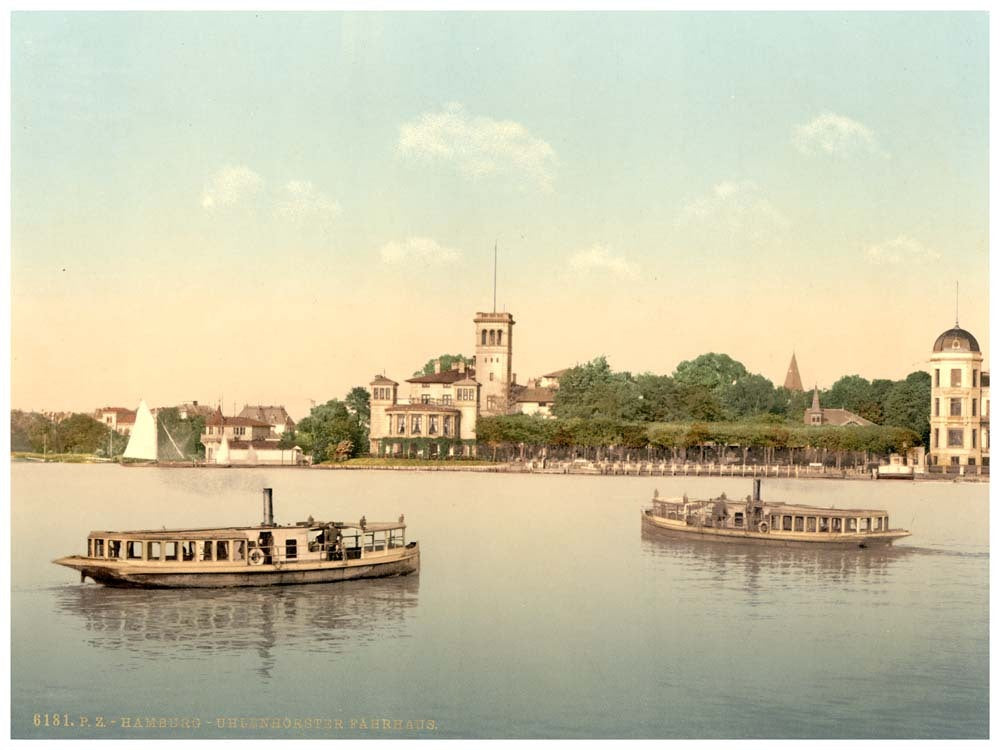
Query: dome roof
956	339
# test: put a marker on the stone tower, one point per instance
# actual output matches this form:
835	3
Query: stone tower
959	401
494	348
792	380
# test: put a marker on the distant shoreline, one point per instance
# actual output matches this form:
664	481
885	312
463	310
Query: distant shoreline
589	469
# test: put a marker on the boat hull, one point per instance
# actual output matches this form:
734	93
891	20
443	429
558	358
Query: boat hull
774	539
136	575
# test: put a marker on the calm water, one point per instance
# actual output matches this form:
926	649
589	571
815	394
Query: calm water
541	610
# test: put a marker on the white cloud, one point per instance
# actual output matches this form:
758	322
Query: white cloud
299	200
836	135
419	250
600	259
736	206
229	186
900	250
478	146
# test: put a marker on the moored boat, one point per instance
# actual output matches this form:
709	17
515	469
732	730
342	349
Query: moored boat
266	555
753	520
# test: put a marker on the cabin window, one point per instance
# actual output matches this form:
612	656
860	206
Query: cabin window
206	550
800	523
786	523
738	520
838	525
187	551
239	550
170	550
775	522
90	548
222	550
98	548
396	538
824	525
114	548
291	549
153	550
811	523
867	525
315	539
852	524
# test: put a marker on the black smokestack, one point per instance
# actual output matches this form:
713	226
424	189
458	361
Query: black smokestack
268	508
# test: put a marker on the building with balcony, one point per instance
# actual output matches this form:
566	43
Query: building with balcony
246	441
960	401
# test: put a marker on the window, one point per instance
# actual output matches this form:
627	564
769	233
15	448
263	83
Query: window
239	430
954	460
291	549
425	398
738	520
484	337
99	548
935	437
972	460
239	550
956	378
402	426
133	550
824	525
491	403
153	551
811	523
937	378
973	407
493	338
491	376
973	438
446	426
170	550
222	550
956	438
975	378
956	407
937	407
206	550
188	550
446	399
786	523
432	425
800	523
499	338
415	425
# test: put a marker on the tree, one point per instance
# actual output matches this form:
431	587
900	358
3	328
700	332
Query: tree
908	404
850	392
447	360
30	431
329	424
749	396
713	371
358	403
80	433
593	390
179	439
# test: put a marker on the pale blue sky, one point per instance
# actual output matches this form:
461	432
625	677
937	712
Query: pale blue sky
273	207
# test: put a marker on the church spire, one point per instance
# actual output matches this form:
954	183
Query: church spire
792	380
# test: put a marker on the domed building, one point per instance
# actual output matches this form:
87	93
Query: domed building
960	401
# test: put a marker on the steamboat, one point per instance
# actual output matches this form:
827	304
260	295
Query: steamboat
266	555
781	524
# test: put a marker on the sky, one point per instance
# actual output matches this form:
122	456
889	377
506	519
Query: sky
273	207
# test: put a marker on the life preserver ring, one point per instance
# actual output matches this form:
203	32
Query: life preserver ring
256	556
763	528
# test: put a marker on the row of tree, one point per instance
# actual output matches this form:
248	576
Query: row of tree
32	432
716	388
610	438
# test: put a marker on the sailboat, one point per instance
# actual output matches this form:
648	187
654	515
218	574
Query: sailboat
143	442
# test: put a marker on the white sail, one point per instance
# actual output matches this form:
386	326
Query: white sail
142	443
222	457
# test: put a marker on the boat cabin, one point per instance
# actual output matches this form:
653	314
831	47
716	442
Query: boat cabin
265	545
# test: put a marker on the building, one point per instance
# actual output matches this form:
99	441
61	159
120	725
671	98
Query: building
793	381
189	410
551	380
276	416
243	440
815	415
533	399
440	410
118	418
960	401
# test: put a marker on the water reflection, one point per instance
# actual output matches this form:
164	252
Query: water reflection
759	569
198	623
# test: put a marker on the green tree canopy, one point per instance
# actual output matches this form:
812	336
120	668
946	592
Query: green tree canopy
327	426
713	371
447	360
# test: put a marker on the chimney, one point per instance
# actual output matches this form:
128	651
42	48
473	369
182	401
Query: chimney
268	508
437	366
513	378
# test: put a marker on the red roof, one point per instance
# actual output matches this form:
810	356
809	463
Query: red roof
218	419
447	376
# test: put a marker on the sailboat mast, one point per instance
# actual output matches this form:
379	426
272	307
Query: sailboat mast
494	275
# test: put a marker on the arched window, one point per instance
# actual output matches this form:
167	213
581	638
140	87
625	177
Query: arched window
493	338
499	338
484	337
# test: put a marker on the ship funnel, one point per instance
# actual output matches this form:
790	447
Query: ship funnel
268	508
